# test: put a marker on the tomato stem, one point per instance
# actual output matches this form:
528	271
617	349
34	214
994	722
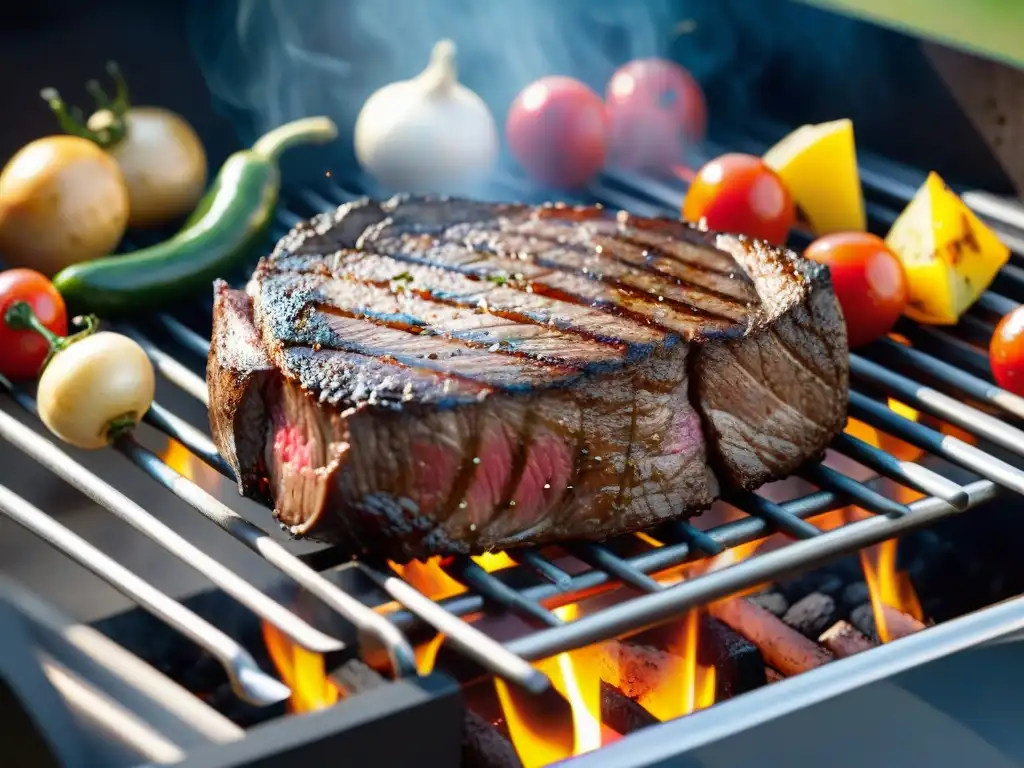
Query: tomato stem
20	317
119	425
112	129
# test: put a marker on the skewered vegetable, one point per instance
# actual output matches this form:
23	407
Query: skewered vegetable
950	257
427	134
868	280
159	153
62	200
227	230
1006	352
656	113
818	163
96	385
740	194
22	353
558	132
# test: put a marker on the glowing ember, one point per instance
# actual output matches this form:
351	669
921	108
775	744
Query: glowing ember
302	671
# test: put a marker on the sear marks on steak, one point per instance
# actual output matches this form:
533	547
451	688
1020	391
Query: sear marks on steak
435	376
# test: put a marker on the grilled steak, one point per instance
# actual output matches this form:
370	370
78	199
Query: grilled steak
434	376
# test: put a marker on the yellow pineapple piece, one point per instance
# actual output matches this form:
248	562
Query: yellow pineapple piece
818	163
950	257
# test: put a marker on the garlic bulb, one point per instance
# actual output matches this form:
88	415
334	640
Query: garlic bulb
427	134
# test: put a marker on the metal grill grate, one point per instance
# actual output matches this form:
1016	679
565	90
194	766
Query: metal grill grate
956	371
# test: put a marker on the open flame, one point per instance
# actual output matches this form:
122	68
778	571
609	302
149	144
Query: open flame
302	671
574	676
181	460
887	585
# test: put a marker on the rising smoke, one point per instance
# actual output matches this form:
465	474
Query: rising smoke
269	61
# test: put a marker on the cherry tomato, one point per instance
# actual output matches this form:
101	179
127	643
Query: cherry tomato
740	194
1006	352
656	112
868	280
558	132
22	352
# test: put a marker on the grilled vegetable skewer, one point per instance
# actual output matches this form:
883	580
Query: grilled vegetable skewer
94	386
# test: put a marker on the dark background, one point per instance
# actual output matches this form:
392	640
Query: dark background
759	60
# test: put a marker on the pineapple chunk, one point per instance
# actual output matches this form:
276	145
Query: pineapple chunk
950	257
818	163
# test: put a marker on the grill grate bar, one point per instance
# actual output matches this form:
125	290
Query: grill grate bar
695	537
535	561
959	352
170	367
938	404
104	494
491	588
600	557
473	643
772	513
184	335
259	541
977	388
195	441
907	473
878	415
248	681
829	479
655	607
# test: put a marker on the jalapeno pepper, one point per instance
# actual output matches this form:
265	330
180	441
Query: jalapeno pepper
228	228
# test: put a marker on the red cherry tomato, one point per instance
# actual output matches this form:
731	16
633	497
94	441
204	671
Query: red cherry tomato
656	112
22	352
1006	352
868	280
740	194
558	132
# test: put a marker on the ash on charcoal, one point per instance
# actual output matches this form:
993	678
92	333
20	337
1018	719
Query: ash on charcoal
800	586
863	618
773	602
812	615
831	585
854	595
826	582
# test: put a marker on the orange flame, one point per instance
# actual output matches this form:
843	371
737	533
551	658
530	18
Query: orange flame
680	687
181	460
430	578
302	671
572	676
887	585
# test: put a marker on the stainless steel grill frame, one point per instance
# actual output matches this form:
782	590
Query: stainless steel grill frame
943	357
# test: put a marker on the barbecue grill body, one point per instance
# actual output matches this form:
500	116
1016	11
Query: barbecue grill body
959	706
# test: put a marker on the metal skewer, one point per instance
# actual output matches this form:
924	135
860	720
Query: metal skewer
61	464
247	679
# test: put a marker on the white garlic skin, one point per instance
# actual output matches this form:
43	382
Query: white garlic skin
429	134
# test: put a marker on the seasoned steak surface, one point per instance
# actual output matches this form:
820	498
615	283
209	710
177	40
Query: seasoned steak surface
430	376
